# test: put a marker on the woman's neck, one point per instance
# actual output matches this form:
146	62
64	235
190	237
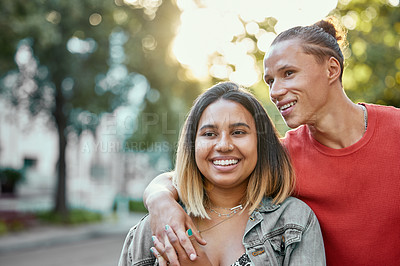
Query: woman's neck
226	198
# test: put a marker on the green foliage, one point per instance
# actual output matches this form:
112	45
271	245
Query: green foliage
3	228
9	179
134	206
11	175
15	226
75	82
373	64
82	59
75	216
14	221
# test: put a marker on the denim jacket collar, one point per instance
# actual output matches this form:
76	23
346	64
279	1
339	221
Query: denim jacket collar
267	205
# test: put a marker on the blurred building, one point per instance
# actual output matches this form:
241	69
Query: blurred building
100	167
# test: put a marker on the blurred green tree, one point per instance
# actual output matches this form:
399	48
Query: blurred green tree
373	57
76	60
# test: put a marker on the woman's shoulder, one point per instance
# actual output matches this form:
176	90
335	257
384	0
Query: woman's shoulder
289	203
292	202
291	211
141	232
137	244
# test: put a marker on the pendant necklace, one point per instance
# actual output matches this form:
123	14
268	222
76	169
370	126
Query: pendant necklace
228	216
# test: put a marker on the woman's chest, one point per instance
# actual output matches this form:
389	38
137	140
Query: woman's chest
224	246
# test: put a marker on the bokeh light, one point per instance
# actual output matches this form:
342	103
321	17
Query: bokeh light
95	19
218	28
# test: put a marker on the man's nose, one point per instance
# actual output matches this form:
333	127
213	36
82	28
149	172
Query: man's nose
276	91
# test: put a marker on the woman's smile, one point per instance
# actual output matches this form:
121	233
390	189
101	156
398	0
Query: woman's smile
225	164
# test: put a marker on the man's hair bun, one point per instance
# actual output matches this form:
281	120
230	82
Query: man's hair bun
332	26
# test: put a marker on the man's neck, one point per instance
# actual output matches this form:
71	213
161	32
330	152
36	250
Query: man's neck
343	126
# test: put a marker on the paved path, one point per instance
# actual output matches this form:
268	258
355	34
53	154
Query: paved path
95	244
99	251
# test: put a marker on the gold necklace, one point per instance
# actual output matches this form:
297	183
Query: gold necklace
233	210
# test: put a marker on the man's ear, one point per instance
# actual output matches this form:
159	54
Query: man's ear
333	69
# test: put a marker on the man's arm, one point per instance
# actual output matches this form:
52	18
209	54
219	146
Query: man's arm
159	187
160	198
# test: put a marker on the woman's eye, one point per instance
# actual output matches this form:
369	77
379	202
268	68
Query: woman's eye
209	134
238	132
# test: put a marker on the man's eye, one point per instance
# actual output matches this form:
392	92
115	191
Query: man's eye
288	73
269	82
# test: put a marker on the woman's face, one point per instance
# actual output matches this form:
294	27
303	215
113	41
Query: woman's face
226	144
298	84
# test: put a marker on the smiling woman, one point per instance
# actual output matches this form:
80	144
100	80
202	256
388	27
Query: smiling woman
227	123
235	179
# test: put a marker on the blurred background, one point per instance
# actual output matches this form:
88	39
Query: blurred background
93	94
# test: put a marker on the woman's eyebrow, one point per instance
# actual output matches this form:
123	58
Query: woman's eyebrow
239	125
208	126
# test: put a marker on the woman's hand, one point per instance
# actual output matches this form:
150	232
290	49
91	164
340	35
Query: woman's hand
180	257
160	198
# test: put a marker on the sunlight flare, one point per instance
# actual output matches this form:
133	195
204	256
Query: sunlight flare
217	29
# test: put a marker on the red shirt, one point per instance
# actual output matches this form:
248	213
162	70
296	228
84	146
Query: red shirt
355	191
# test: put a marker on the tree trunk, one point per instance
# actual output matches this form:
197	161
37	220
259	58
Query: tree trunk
61	121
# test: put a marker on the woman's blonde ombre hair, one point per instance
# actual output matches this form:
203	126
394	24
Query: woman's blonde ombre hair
273	175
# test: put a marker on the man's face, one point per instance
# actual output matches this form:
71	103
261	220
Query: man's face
297	82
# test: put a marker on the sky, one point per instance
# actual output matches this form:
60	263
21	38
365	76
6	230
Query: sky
209	26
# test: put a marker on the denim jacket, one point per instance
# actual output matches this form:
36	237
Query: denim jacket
282	234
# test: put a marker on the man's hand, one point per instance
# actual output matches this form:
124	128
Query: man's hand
180	256
160	198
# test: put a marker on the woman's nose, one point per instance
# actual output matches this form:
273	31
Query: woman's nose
224	144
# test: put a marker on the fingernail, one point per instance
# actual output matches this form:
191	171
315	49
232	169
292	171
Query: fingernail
192	256
166	227
190	232
154	238
151	249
